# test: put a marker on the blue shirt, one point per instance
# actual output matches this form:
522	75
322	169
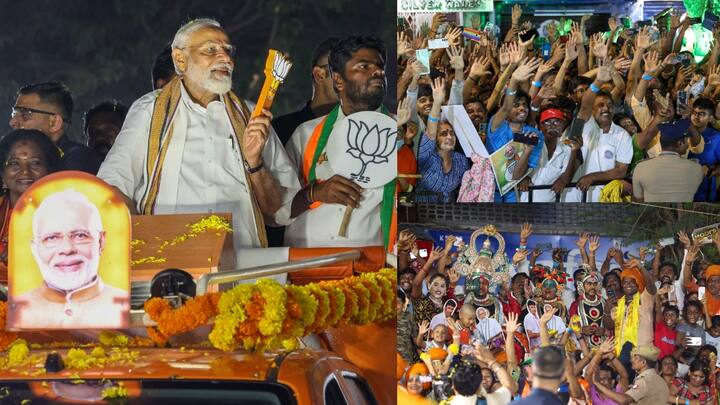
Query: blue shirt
539	397
503	134
710	156
430	166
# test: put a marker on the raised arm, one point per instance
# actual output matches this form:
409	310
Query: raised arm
438	91
483	355
544	333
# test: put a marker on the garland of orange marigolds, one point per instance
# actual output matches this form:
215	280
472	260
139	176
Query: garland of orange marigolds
261	316
268	315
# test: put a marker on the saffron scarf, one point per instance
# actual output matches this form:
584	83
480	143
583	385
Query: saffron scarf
626	327
314	148
161	132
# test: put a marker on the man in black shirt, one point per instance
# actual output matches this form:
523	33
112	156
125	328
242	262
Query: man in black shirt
323	99
47	107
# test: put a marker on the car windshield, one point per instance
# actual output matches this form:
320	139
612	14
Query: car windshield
176	391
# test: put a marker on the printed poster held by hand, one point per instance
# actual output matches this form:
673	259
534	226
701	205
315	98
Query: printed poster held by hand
504	161
361	148
69	262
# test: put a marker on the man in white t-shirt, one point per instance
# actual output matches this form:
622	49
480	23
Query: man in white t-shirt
554	158
607	147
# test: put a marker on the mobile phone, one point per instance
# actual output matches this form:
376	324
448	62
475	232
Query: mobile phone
694	341
423	253
701	293
423	56
544	247
482	128
546	51
682	98
440	43
524	138
458	241
667	241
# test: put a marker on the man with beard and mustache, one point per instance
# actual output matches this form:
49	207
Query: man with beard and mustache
68	240
607	147
669	177
589	307
510	119
554	159
102	125
192	147
357	66
478	115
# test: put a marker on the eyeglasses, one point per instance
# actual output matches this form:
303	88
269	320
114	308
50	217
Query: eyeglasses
25	113
213	48
80	237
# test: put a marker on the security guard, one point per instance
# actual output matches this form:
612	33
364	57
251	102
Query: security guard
668	177
648	388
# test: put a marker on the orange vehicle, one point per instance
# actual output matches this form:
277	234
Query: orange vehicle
344	365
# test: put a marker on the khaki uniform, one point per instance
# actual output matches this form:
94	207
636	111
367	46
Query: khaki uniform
667	178
649	389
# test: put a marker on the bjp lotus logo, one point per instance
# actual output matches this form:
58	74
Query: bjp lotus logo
370	145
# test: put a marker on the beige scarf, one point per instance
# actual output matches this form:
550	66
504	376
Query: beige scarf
161	132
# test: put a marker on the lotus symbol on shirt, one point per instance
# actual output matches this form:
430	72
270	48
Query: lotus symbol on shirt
369	145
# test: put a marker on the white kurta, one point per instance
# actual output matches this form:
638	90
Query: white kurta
204	152
319	227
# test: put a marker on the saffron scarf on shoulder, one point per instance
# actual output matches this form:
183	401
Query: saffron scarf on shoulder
161	134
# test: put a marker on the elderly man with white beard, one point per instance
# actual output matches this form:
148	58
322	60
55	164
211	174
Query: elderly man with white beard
191	147
68	240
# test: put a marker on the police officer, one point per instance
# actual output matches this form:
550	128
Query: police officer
668	177
648	388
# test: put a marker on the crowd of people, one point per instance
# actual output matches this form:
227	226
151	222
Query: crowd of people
478	327
192	146
626	114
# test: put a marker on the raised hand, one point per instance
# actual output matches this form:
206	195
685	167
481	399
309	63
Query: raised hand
456	57
684	239
652	65
453	36
582	240
453	276
714	77
437	21
482	353
604	72
511	325
403	44
642	40
436	254
403	112
525	231
607	346
479	68
519	256
692	253
423	328
547	91
547	315
504	55
600	48
612	23
622	64
594	244
571	50
536	253
516	14
449	241
526	44
526	69
438	89
405	240
515	52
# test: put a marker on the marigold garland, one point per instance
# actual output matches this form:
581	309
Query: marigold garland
195	312
267	315
6	338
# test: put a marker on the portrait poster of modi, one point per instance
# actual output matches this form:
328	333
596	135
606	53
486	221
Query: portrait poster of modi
69	256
